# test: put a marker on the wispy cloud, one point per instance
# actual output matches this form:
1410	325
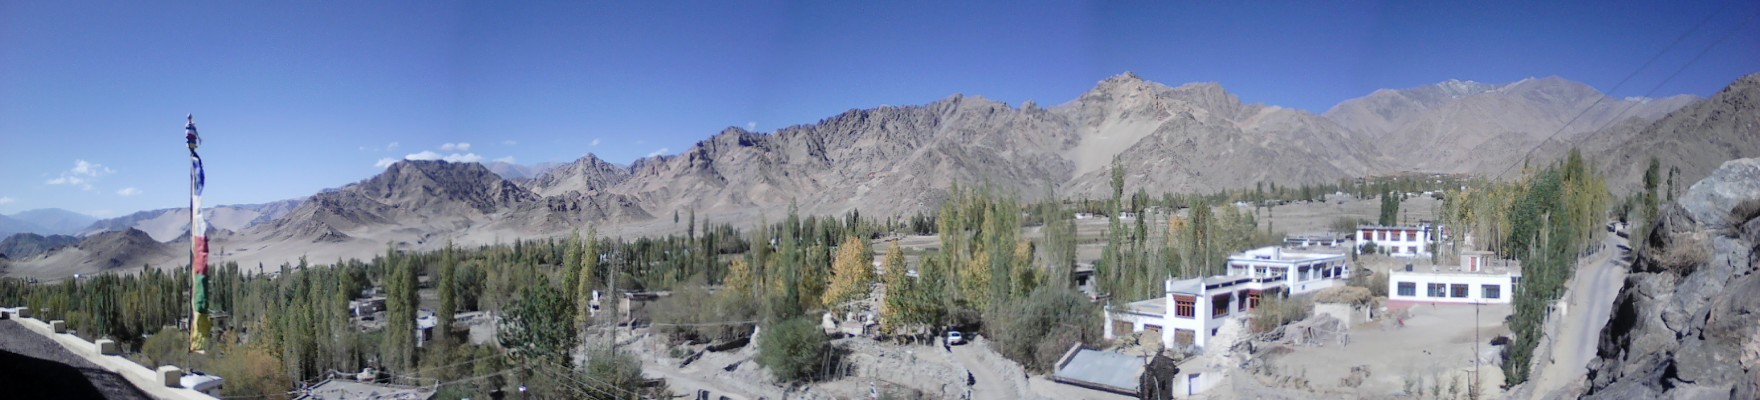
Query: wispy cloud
751	125
6	200
594	143
508	159
81	175
385	162
455	147
661	151
390	147
128	192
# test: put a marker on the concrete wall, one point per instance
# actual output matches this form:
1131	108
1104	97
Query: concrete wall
1350	314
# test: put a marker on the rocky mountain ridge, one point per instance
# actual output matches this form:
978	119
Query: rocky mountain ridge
898	160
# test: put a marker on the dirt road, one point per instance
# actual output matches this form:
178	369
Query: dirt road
1593	289
989	385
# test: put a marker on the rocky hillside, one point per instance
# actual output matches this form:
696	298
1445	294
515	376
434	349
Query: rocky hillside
26	245
1684	325
1696	138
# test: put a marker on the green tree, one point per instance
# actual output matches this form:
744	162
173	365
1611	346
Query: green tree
585	282
536	325
400	313
794	350
447	289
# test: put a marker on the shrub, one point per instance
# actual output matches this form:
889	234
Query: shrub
1275	311
1036	330
793	349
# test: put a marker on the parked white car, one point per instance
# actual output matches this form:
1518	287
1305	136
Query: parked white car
954	337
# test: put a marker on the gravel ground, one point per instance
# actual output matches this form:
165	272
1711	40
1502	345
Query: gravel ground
35	367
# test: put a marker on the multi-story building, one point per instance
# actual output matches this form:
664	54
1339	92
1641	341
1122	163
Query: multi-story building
1475	281
1400	241
1192	310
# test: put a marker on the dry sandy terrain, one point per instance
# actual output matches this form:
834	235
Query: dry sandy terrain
1436	344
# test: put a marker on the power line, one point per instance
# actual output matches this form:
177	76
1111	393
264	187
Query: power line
1677	41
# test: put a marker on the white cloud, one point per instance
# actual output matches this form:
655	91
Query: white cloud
390	147
81	175
82	167
385	162
509	143
454	157
471	157
6	200
751	125
425	155
594	143
508	159
662	150
128	192
455	147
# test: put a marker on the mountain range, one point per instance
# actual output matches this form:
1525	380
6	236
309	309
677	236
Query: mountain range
900	160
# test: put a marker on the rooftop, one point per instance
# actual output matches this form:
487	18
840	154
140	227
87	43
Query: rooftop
1101	369
1155	306
332	389
1275	253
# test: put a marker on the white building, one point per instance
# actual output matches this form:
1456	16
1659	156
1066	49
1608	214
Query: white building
1193	309
1474	281
1300	272
1400	241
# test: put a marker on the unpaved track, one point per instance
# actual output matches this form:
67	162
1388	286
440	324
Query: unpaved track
1593	290
990	386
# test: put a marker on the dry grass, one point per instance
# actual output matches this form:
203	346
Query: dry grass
1345	294
1685	253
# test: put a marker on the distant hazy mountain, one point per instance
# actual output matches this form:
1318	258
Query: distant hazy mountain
1479	128
9	225
890	160
55	221
166	224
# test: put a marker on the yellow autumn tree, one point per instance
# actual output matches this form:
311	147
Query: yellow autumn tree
739	277
852	273
974	280
896	281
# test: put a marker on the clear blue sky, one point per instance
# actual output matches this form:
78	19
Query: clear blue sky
294	97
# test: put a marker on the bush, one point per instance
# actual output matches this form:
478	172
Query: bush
165	348
1036	330
794	350
693	304
1275	311
613	371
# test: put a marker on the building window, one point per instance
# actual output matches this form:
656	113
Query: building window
1411	236
1491	291
1381	235
1408	289
1438	290
1459	290
1412	249
1219	305
1183	306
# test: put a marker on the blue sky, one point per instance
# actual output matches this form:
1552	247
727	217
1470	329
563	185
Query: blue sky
294	97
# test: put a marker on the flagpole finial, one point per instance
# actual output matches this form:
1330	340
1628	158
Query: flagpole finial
189	132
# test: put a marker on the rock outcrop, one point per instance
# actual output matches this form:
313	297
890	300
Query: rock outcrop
1687	322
